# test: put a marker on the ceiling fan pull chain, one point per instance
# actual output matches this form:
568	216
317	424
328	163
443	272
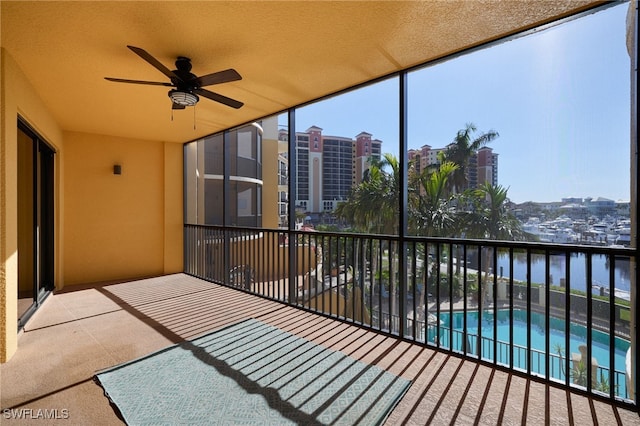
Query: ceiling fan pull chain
194	117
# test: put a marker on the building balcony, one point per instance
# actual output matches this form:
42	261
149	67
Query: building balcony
87	328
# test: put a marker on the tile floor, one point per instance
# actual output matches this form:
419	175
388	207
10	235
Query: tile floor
84	329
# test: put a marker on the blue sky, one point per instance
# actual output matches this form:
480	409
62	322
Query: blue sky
559	100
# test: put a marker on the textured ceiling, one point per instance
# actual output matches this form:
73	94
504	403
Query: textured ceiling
287	52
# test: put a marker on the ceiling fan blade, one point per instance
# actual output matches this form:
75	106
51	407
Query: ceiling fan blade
219	98
218	77
152	83
154	62
177	106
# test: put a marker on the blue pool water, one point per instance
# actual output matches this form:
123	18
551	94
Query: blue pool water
600	348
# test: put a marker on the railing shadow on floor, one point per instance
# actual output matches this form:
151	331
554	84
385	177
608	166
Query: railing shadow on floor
405	288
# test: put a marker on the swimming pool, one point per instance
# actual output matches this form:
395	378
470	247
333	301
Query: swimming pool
600	348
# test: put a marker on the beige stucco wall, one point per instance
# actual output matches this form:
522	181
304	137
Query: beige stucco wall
121	226
173	201
270	214
117	227
18	98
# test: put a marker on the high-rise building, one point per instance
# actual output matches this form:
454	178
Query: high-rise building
482	167
329	166
487	167
421	158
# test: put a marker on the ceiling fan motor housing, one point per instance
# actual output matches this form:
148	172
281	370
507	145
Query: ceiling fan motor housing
186	80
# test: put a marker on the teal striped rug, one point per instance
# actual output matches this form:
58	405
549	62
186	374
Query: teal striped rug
251	373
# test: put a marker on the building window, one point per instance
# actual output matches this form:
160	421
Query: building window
204	180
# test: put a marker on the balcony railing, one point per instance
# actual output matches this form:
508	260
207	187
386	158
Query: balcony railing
561	313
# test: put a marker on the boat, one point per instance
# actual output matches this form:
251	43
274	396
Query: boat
624	237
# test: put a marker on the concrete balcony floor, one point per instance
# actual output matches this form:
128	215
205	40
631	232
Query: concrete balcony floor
87	328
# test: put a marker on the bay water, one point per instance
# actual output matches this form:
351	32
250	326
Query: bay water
600	270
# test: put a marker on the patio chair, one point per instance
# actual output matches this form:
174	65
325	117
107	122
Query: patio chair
312	280
242	276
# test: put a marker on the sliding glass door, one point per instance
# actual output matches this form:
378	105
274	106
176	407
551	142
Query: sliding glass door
35	221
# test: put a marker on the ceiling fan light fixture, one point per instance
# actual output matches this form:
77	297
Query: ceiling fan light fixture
182	97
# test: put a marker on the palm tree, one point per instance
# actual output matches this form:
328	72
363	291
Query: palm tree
462	149
490	219
495	221
431	209
373	207
388	195
460	152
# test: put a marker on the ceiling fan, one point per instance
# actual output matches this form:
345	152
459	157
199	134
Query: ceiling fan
187	85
